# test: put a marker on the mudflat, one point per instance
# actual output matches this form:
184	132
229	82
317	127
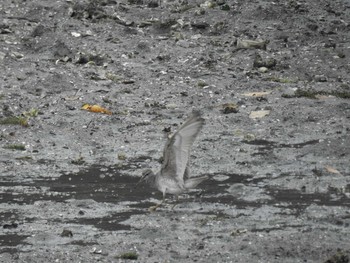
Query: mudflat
90	90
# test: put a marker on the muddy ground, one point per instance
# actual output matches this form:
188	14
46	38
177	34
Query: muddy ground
276	143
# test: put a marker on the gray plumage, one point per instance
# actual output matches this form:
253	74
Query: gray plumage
173	177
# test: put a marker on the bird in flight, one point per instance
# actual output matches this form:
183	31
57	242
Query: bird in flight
173	177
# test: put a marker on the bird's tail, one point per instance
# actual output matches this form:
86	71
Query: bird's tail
194	181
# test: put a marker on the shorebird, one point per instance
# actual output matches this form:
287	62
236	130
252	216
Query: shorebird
173	177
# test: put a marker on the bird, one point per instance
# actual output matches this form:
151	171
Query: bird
173	177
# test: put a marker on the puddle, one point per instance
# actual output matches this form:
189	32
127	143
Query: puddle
99	183
215	192
271	145
107	223
9	242
297	200
108	185
102	184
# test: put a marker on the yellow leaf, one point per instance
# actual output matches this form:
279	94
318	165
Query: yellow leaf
259	114
86	106
256	94
332	170
323	97
96	108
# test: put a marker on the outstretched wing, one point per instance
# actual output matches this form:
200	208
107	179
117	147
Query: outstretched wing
177	149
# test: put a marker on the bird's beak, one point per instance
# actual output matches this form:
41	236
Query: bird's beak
139	182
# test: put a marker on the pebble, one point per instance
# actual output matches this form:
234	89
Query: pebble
320	78
263	69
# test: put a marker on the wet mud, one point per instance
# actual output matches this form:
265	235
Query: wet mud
271	80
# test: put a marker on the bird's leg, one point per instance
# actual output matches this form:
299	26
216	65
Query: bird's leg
176	202
154	208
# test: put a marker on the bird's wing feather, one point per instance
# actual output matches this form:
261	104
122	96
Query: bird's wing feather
177	149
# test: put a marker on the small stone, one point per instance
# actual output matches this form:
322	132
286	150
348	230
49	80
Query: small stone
183	43
128	81
76	34
230	108
221	2
199	12
320	78
202	83
178	36
251	44
238	232
263	69
171	106
267	62
17	55
66	233
121	156
208	4
153	4
225	7
2	55
167	129
10	226
199	25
